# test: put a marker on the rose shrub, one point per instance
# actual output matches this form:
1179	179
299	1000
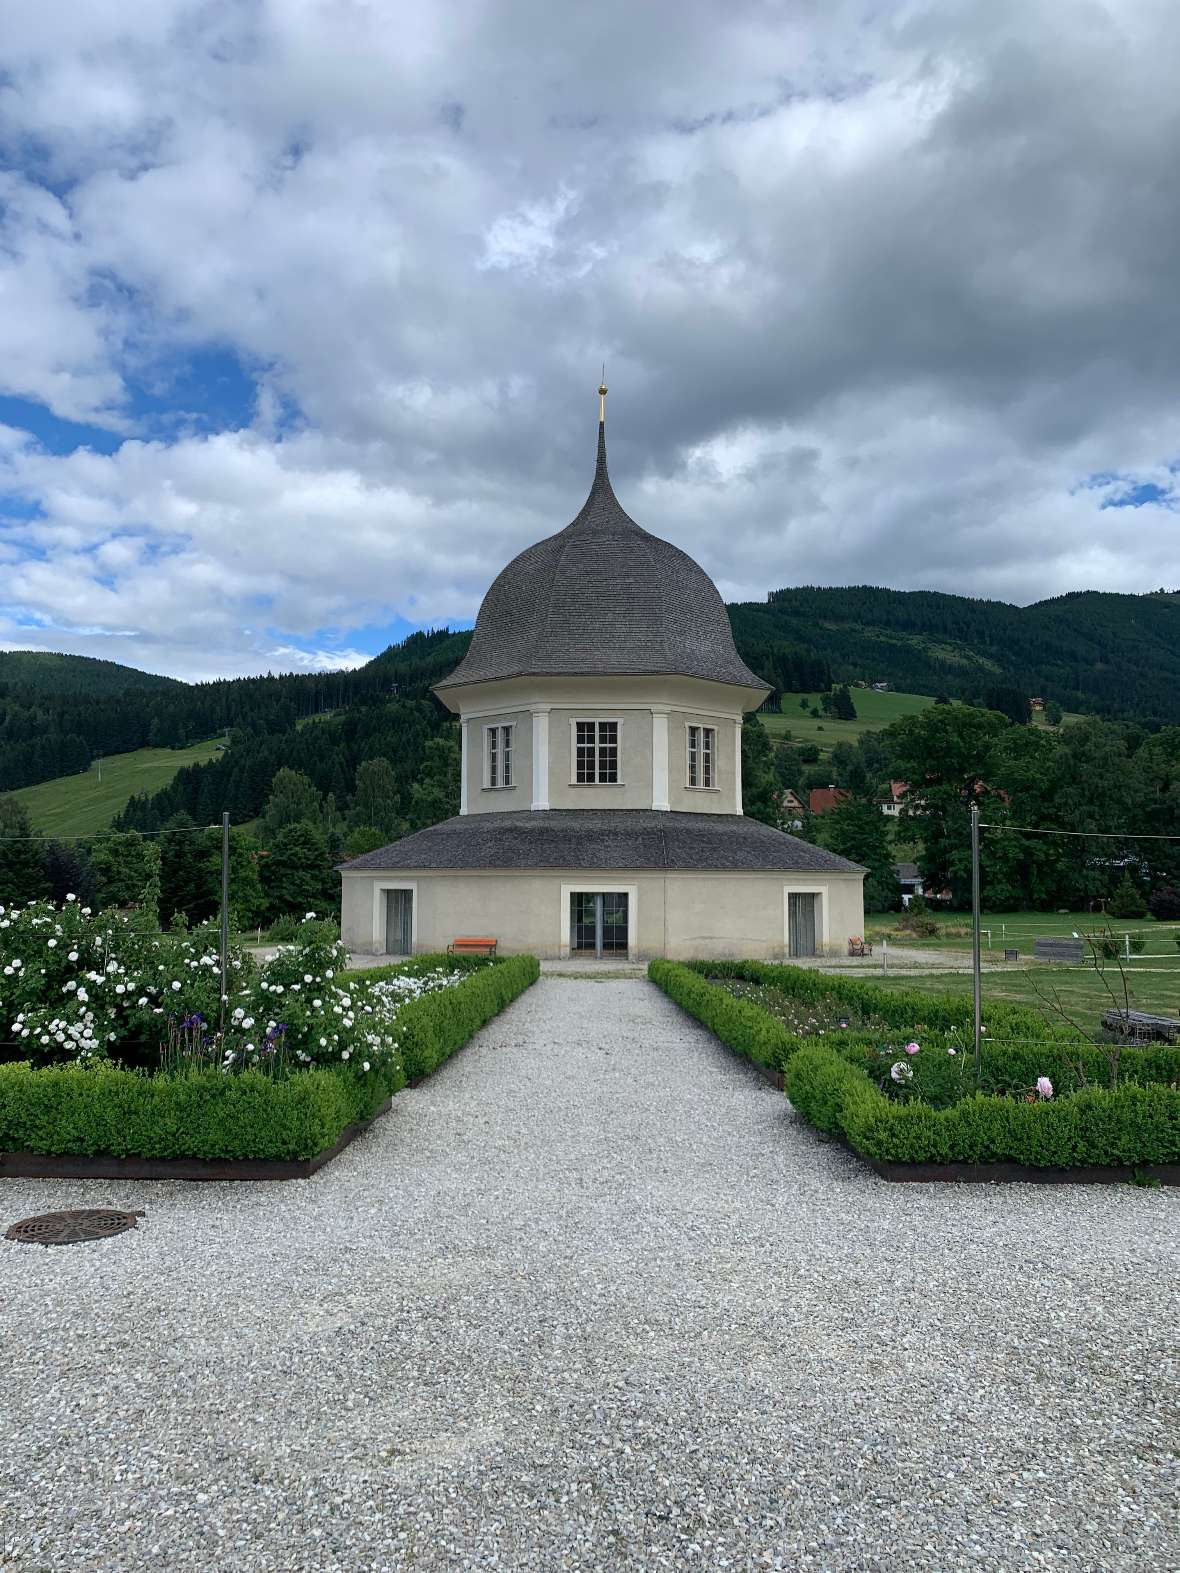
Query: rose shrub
80	987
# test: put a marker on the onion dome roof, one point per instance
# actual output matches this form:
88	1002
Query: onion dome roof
602	597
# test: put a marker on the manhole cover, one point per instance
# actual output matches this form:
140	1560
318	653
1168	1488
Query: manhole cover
69	1228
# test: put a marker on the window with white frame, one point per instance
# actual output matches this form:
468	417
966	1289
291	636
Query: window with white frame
498	756
702	751
596	753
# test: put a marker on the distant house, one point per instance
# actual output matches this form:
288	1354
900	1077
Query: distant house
1036	704
822	799
791	803
892	804
880	688
910	881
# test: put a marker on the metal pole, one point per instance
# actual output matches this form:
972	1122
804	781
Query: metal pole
975	975
224	923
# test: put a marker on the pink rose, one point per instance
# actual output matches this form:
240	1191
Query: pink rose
1044	1087
911	1048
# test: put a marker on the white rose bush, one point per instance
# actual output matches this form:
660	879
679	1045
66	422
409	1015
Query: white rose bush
76	987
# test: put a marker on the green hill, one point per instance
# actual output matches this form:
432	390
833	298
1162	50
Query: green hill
80	805
873	711
1116	655
47	672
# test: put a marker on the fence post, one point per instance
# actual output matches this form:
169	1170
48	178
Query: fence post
224	924
1127	946
976	989
884	955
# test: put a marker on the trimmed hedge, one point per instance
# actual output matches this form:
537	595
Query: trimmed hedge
907	1010
943	1079
740	1024
834	1084
1134	1126
429	1030
206	1114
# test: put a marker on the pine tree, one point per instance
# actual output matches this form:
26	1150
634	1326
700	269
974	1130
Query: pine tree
22	877
293	798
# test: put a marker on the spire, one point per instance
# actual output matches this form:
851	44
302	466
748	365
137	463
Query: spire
600	467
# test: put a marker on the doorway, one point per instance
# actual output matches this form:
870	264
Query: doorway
599	923
801	923
399	922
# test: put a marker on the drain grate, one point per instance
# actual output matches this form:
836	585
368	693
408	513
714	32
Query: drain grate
74	1226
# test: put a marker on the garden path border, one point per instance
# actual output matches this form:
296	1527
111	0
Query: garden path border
106	1166
1004	1173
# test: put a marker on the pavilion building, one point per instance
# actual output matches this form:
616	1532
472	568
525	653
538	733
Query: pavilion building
601	704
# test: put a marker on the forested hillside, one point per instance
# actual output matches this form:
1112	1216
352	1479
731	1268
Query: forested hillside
45	733
46	672
1113	655
1116	655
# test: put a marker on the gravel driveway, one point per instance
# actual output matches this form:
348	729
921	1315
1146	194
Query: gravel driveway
593	1298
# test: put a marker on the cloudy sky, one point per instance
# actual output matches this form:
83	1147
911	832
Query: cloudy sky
303	304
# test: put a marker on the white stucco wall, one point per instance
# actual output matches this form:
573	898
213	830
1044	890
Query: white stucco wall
678	914
653	715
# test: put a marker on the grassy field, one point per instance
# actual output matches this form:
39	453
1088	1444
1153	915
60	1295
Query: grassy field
1079	991
1019	930
873	711
82	805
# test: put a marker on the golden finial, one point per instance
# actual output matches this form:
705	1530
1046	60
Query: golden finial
602	397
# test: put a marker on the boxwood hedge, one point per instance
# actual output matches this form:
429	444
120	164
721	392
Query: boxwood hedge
206	1114
1135	1126
838	1083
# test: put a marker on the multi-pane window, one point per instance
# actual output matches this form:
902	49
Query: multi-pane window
702	748
596	752
499	764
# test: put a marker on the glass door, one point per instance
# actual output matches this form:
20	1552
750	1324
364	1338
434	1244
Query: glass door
583	924
614	924
599	923
399	922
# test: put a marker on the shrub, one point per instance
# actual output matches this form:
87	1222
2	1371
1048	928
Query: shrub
105	1109
905	1010
204	1113
1127	901
743	1026
1135	1125
430	1030
1164	903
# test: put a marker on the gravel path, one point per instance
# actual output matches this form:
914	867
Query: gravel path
592	1298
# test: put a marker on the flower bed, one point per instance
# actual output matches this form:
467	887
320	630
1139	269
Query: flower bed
1047	1101
119	1052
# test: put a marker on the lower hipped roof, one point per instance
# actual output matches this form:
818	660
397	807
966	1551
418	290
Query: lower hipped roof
620	838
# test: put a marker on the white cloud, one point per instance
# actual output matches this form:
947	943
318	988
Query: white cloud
879	292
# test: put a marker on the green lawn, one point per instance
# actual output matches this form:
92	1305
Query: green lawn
1079	990
82	805
1019	930
873	711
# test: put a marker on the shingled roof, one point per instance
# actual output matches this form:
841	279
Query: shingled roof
619	838
602	597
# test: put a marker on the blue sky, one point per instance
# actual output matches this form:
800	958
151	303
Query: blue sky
301	311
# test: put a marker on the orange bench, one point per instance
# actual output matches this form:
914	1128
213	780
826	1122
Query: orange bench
467	945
